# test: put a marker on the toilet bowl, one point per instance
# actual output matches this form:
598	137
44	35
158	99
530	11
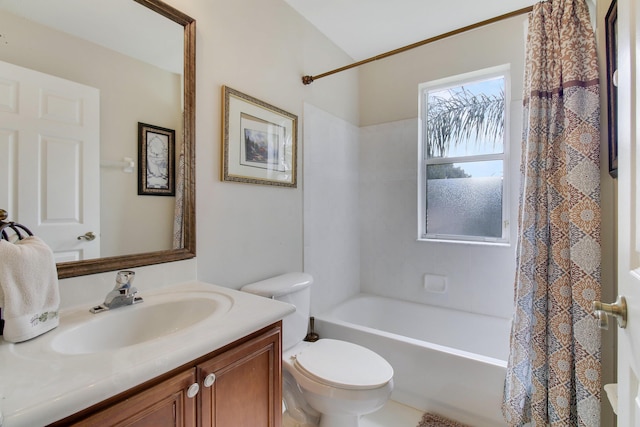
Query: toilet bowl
331	380
341	380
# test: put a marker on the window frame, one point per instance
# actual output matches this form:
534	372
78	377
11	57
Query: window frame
423	162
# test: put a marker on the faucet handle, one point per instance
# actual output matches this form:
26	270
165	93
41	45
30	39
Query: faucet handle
124	279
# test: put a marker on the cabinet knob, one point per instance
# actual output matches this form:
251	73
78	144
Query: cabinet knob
209	380
193	390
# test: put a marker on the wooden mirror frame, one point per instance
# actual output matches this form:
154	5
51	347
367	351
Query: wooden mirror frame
100	265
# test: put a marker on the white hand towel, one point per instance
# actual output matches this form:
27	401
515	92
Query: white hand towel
29	294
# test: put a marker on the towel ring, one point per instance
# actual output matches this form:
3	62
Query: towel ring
19	229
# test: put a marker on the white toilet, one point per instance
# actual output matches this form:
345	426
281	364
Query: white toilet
330	380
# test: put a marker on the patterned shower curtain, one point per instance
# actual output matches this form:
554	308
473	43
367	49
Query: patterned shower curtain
178	217
553	373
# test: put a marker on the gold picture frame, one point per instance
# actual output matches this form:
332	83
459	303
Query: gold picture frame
259	141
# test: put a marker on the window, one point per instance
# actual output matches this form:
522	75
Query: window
463	158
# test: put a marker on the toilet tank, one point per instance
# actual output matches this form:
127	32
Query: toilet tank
292	288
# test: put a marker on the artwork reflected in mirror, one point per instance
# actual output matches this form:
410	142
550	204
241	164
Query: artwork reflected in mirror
156	164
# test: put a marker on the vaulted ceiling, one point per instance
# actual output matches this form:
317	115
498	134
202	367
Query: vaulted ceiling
365	28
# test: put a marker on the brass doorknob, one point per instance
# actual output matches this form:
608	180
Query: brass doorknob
88	236
618	310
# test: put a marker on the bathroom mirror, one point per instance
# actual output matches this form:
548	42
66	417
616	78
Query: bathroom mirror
132	224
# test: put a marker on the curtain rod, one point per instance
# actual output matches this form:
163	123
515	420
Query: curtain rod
310	79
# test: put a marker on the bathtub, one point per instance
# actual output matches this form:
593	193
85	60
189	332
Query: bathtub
445	361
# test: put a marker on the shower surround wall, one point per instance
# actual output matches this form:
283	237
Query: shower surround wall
393	263
479	277
360	185
331	217
360	219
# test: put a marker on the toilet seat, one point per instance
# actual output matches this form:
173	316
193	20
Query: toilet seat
343	365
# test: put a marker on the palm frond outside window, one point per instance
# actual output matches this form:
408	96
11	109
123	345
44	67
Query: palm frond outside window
463	117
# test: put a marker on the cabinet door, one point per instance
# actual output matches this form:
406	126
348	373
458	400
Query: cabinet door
163	405
247	391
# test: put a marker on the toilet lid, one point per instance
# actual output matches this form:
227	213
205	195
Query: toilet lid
344	365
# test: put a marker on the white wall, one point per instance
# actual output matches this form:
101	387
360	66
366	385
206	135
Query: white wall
331	215
393	263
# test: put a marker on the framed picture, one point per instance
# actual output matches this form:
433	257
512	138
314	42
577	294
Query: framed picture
259	141
156	164
611	28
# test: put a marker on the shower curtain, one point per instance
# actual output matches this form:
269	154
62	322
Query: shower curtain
553	373
178	217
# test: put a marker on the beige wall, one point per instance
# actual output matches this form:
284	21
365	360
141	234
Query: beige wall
262	48
388	87
130	91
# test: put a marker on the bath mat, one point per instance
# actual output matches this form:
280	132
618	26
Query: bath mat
433	420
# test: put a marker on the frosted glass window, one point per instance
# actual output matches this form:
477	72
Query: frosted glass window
462	155
467	204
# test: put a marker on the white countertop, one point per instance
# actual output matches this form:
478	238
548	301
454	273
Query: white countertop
39	386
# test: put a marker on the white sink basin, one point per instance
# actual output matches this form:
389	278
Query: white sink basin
127	326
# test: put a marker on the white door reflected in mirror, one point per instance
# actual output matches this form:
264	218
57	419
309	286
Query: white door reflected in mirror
50	138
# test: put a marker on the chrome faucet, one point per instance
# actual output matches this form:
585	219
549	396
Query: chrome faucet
122	294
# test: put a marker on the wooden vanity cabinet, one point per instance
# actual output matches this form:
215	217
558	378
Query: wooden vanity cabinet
163	405
239	385
247	390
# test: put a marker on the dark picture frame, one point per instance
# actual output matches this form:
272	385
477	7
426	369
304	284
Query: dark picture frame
259	141
611	29
156	160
